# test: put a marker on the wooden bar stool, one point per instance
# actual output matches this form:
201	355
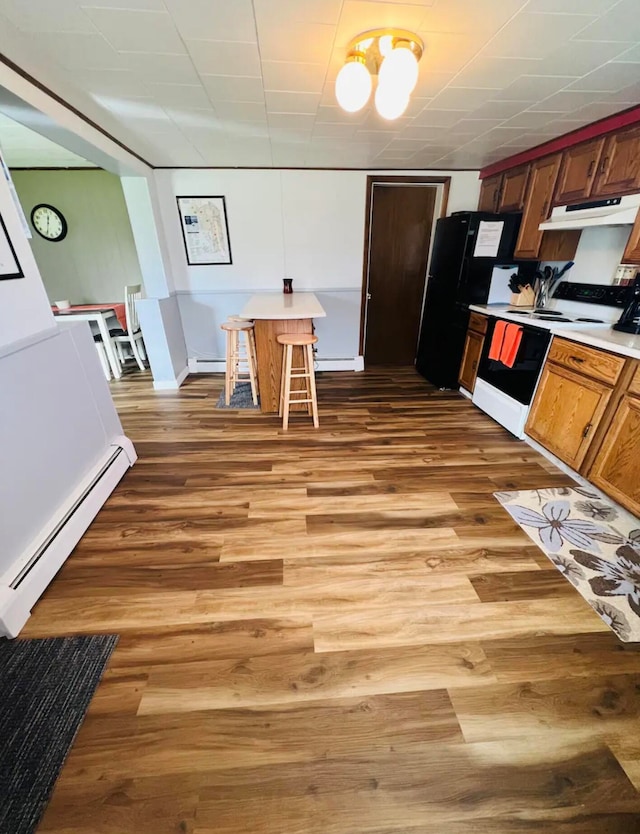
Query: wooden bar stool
287	396
241	358
252	339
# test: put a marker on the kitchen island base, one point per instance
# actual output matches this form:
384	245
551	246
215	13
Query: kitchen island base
270	360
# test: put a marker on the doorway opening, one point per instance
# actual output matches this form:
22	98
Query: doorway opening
400	216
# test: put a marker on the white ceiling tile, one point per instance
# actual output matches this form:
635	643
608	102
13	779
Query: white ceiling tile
293	77
565	101
278	102
621	23
243	111
148	5
495	73
172	69
186	118
460	98
323	131
309	11
175	95
535	35
425	133
533	87
241	152
595	7
137	31
597	110
228	20
332	114
299	42
531	119
498	109
609	78
296	121
434	117
470	16
233	88
431	83
122	82
79	52
631	55
580	57
45	16
225	58
447	52
288	155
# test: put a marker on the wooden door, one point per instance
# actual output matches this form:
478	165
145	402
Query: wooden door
400	232
578	171
544	173
470	360
565	413
616	469
619	171
514	187
632	250
490	193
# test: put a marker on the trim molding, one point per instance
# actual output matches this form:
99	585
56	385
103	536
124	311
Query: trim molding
48	91
625	118
217	366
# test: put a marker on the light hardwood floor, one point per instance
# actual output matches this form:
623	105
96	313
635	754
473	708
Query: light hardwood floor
336	631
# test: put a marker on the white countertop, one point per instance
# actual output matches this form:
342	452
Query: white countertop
600	335
279	305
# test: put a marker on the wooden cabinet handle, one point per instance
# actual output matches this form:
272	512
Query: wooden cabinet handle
577	358
475	364
592	165
545	207
587	429
605	162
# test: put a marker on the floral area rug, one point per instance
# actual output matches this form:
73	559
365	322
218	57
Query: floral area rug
594	544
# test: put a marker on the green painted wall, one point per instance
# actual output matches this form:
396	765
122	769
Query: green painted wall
98	256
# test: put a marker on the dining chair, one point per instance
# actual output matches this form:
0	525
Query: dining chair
132	336
102	355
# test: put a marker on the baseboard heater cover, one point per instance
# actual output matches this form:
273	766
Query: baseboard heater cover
27	579
213	366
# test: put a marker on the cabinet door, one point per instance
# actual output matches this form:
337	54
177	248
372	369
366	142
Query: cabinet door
619	171
470	360
542	181
578	171
490	193
632	250
566	412
514	186
616	469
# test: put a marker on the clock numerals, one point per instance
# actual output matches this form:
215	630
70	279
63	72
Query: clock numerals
49	222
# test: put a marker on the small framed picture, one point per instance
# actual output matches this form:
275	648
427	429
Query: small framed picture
205	230
9	266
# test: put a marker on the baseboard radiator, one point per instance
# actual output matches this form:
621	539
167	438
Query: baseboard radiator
25	582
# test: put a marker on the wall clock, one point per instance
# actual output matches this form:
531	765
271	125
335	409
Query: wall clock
49	222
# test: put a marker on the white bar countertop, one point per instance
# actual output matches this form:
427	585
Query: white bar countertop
600	336
279	305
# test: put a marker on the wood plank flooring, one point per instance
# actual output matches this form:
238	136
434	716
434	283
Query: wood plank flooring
336	631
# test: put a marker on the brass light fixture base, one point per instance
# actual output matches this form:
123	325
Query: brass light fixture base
365	47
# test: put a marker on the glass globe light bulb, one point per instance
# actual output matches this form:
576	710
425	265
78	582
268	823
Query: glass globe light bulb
353	86
400	69
390	102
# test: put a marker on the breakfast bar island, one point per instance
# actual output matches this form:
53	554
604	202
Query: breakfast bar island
273	314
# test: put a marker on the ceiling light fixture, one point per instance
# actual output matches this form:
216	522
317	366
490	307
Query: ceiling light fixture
390	54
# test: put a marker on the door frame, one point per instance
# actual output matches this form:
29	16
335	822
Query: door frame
441	183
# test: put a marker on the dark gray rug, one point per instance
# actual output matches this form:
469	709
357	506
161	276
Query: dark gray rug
241	398
45	689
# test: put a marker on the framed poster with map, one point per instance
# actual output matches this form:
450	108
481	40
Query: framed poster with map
205	230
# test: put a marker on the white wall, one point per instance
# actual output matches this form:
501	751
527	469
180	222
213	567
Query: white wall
305	225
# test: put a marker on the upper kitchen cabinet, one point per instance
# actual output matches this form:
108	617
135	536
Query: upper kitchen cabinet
513	189
619	169
490	193
580	165
532	243
632	250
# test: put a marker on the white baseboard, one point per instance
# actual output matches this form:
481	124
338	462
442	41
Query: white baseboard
465	393
173	385
217	366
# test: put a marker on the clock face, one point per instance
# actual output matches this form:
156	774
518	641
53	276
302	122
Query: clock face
48	222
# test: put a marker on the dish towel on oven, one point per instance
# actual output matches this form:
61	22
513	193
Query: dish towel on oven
505	343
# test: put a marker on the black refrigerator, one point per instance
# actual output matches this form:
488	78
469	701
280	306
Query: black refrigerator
458	278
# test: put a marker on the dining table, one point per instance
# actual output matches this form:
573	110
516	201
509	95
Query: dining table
100	314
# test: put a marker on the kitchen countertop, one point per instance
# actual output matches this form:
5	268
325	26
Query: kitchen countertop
600	336
279	305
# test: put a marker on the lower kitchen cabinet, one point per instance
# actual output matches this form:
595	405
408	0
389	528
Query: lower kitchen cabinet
472	351
616	468
566	412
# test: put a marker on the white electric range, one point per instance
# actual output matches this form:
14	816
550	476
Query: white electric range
505	393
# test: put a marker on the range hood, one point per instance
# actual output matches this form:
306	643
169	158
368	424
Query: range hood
616	211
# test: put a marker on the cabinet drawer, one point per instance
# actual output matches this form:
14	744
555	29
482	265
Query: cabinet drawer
634	388
594	363
478	323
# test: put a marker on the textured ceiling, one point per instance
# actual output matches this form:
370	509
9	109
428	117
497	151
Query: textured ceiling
24	148
250	82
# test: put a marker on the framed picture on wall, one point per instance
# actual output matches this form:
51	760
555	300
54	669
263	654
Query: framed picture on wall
9	266
205	230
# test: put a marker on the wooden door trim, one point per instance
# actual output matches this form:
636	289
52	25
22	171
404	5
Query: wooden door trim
390	180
